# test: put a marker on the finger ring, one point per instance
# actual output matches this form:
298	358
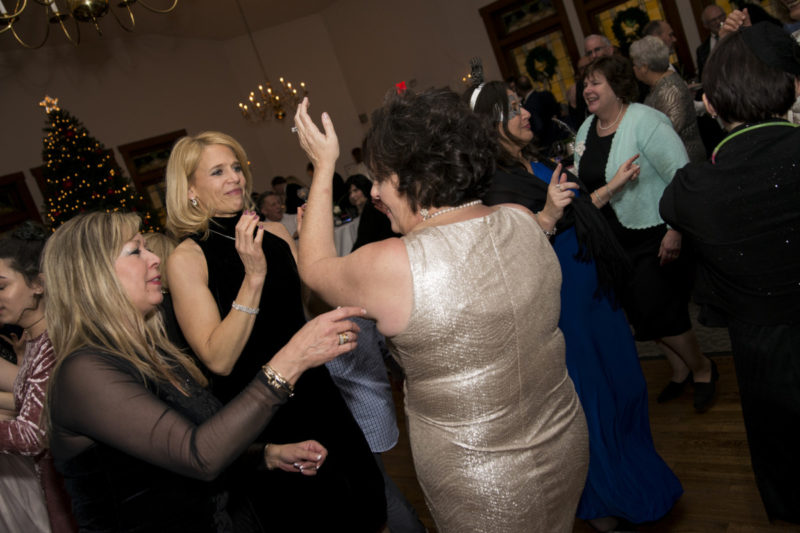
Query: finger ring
294	129
558	186
343	338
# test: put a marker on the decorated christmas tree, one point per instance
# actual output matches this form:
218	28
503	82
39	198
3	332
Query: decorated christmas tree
81	174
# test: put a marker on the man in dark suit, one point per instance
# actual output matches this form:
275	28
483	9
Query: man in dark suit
713	16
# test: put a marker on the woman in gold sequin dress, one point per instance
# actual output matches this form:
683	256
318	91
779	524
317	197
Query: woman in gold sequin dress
469	301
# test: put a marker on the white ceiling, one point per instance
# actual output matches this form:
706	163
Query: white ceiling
201	19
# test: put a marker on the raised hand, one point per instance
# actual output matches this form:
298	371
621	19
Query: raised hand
322	147
734	22
249	236
560	193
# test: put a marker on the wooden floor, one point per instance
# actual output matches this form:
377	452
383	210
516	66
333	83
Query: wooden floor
707	452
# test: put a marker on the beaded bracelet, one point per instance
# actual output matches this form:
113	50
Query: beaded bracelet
245	309
276	381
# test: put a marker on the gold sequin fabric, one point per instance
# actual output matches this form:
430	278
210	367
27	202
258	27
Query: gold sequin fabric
497	432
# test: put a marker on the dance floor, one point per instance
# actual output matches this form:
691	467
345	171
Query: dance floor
708	452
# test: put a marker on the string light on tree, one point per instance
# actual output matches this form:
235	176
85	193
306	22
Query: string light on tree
80	173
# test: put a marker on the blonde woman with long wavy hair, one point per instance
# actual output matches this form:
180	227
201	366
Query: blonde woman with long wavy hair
138	438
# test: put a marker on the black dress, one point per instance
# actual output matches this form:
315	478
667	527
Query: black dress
141	456
347	494
656	300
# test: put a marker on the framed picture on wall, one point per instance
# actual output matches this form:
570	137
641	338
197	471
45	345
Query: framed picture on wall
147	162
16	202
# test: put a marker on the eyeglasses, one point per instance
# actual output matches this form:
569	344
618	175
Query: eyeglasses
595	51
513	107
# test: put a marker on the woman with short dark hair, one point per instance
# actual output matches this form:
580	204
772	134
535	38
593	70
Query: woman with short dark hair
656	298
373	225
740	213
497	432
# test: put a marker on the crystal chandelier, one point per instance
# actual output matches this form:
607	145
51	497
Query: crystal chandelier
61	12
269	101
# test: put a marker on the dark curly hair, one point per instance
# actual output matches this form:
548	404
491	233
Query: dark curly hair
23	247
618	71
441	152
361	182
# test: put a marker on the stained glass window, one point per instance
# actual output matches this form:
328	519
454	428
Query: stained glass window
526	14
564	75
605	19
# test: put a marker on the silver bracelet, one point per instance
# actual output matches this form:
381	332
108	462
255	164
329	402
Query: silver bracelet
245	309
548	234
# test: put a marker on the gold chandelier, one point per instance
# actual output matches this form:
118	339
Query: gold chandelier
62	11
269	101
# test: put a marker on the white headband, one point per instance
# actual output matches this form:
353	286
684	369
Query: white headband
474	97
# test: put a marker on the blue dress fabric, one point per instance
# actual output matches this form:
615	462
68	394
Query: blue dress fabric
627	478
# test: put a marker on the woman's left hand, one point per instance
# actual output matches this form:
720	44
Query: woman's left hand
670	246
321	147
304	457
559	195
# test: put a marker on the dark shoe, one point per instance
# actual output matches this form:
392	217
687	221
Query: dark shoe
704	392
673	389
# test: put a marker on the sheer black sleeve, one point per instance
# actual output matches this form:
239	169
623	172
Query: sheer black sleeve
97	398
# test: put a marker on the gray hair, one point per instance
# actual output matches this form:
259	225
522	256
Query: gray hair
651	52
603	38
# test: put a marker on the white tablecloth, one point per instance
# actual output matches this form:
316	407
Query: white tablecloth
345	236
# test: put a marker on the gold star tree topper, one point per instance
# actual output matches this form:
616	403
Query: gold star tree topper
49	104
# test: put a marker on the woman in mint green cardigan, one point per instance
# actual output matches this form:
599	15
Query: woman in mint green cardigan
627	153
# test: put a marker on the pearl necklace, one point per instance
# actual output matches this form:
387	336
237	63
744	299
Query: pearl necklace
615	120
427	215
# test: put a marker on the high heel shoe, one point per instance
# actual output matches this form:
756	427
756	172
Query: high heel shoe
673	389
704	392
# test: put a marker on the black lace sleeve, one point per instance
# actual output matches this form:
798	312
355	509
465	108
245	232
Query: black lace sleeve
96	398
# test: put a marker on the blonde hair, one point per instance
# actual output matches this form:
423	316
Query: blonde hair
182	217
87	306
163	246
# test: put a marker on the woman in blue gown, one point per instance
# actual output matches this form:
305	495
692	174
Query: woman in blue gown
627	478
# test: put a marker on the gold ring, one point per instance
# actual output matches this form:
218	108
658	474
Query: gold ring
343	338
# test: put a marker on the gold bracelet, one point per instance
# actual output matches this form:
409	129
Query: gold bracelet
266	448
276	381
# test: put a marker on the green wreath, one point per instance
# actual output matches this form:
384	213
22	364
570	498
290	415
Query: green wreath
628	26
546	61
